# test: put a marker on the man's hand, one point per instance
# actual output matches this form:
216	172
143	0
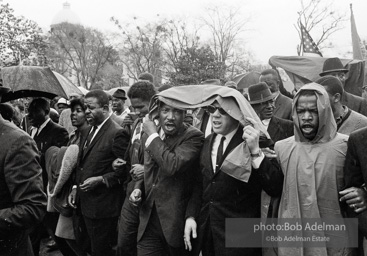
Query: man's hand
149	127
137	172
356	198
190	229
251	134
269	153
118	163
91	183
71	198
135	197
127	121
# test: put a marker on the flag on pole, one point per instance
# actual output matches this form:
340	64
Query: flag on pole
309	48
359	50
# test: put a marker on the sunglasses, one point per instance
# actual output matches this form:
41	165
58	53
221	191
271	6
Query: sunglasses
211	109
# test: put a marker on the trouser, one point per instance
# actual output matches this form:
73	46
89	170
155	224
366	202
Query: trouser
48	225
128	230
102	234
153	242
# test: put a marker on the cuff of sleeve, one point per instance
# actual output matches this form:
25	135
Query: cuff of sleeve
257	161
150	139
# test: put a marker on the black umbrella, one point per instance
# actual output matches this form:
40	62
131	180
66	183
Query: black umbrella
30	81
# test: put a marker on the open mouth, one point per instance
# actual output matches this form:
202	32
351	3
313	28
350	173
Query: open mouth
307	128
170	127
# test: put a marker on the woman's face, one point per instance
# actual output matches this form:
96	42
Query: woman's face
77	116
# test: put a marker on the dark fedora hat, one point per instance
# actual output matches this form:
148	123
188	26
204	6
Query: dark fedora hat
259	93
332	65
120	94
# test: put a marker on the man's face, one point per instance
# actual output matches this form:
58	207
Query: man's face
118	104
61	107
141	108
340	75
37	116
271	81
308	116
171	119
94	112
264	110
77	116
222	123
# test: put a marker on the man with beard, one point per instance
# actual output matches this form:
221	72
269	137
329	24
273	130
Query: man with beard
317	153
99	192
171	153
283	104
22	200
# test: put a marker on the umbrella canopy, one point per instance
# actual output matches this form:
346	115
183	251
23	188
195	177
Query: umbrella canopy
83	90
245	80
30	81
67	85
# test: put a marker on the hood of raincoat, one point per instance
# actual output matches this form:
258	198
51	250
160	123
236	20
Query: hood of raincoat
327	126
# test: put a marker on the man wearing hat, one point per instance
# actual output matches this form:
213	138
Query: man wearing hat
334	67
283	104
118	106
22	200
262	101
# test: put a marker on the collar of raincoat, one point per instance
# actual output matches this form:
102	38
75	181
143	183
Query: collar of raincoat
327	126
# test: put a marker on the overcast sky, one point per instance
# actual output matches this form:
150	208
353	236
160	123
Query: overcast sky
272	22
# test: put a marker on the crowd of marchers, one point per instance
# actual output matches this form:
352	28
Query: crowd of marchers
95	177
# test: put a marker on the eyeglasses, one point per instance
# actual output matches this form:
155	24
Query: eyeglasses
211	109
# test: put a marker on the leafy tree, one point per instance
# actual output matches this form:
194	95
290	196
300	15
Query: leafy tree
20	40
194	66
83	50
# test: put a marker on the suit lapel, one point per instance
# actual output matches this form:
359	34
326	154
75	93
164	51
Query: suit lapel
97	137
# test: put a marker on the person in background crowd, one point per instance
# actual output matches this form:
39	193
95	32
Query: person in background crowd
19	113
225	196
98	192
46	133
231	84
22	200
317	152
140	94
61	105
7	111
283	104
262	101
118	106
54	115
64	119
334	67
347	120
171	151
147	77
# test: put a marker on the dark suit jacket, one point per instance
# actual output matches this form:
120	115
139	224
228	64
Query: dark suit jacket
22	200
51	135
280	129
283	107
226	197
105	201
355	103
171	173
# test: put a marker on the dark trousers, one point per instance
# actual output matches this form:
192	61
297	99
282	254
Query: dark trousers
153	242
48	225
128	230
102	234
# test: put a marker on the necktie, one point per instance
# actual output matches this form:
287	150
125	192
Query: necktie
219	153
90	136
